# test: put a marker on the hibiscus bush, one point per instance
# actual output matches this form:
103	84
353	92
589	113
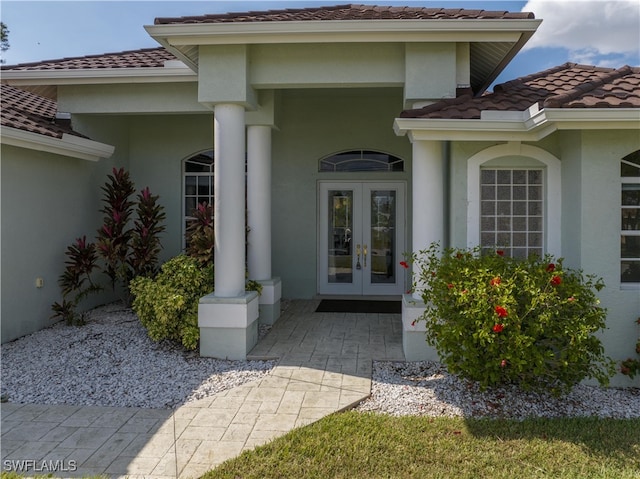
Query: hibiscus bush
499	320
630	366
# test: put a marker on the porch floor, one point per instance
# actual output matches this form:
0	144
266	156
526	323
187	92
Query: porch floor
325	365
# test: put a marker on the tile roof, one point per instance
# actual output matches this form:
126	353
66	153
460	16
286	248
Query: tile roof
347	12
143	58
566	86
155	57
27	111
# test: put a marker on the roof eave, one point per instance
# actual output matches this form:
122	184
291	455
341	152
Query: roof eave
524	38
295	31
68	145
98	75
530	128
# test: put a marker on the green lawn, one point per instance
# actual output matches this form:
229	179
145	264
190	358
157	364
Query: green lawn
354	445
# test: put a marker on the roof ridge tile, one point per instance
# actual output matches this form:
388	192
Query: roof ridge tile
556	101
350	11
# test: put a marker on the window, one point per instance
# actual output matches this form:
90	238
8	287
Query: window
630	219
512	211
198	184
514	200
359	161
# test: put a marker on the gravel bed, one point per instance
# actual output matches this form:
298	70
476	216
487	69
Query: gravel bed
427	389
110	361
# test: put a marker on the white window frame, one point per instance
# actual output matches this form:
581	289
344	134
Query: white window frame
183	201
552	181
627	180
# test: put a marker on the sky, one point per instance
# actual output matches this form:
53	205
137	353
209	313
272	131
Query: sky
594	32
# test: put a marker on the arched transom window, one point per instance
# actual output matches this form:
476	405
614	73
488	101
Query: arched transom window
361	161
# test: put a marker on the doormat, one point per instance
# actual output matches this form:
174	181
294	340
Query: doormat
359	306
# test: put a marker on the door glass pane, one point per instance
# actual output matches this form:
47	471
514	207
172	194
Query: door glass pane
381	252
340	254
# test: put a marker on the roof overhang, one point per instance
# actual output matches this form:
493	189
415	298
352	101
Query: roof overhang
494	42
86	76
69	145
528	125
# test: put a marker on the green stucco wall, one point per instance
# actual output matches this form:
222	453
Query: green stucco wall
42	213
47	202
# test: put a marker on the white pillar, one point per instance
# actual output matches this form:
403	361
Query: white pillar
229	204
428	198
259	201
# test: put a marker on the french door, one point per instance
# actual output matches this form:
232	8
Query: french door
361	238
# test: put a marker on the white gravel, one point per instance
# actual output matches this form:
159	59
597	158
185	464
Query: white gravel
111	361
427	389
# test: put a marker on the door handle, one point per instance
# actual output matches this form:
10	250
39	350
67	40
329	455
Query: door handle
364	255
358	257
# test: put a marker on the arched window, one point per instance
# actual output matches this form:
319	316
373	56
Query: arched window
197	184
630	219
514	200
357	161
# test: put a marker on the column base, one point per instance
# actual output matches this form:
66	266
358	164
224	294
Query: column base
270	300
414	341
228	326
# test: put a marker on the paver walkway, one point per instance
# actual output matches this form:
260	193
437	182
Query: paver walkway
324	366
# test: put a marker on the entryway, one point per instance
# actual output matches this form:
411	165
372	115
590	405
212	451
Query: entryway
362	238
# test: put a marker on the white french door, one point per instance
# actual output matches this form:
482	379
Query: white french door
361	238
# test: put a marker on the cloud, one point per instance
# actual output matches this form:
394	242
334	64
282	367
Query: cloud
606	33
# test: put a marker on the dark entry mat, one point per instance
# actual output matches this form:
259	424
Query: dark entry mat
358	306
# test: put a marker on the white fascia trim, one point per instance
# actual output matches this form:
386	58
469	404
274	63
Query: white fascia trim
533	125
471	130
343	31
68	145
99	75
594	118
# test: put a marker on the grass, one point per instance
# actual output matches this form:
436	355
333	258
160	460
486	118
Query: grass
354	445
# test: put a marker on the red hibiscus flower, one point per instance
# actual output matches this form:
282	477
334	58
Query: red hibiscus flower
503	363
497	328
404	264
551	267
413	323
500	252
495	281
556	280
450	285
501	311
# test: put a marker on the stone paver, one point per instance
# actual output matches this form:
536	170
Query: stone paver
325	363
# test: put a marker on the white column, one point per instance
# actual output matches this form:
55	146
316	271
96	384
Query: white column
428	198
259	201
229	204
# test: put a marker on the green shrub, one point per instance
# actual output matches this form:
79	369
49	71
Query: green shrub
498	320
168	306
